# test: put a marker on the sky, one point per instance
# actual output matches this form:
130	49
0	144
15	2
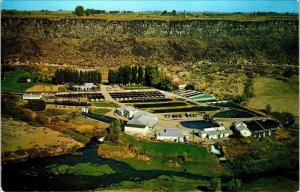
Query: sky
280	6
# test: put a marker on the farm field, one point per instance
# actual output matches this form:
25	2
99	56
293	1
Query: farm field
282	96
147	155
20	140
150	16
11	84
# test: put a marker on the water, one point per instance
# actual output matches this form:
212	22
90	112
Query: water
198	124
33	175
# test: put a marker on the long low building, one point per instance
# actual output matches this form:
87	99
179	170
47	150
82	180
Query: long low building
214	133
141	123
32	96
172	134
256	128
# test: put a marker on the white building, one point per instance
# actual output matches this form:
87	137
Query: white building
141	123
172	134
214	133
127	111
241	127
85	86
85	110
32	96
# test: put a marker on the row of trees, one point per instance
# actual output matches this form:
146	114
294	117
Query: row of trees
79	11
149	76
63	76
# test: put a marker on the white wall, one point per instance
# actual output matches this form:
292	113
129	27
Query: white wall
134	130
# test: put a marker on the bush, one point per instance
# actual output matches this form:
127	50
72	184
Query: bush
42	119
112	137
235	185
215	184
79	11
36	105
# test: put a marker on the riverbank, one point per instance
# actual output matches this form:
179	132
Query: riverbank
21	141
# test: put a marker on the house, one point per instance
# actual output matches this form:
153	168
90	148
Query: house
85	86
242	129
32	96
214	133
172	134
126	111
141	123
85	110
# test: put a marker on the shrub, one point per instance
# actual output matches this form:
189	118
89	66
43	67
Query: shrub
112	137
79	11
36	105
235	185
215	184
42	119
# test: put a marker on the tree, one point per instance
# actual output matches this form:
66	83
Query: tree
190	87
115	127
134	74
173	12
215	184
140	75
79	10
235	185
36	105
268	109
165	12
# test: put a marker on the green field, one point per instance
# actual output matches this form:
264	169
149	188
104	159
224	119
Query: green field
282	96
100	111
178	157
11	84
104	104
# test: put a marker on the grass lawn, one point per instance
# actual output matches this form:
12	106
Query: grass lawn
11	84
100	111
282	96
104	104
178	157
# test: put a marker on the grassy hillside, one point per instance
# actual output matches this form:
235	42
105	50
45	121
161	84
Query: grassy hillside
282	96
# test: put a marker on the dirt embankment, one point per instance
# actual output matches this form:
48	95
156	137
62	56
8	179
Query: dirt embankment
21	141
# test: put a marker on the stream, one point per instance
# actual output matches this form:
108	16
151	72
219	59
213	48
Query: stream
33	174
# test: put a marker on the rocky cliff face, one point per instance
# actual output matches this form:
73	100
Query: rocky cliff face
200	29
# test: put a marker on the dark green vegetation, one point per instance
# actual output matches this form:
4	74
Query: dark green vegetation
79	11
63	76
150	76
251	157
81	169
165	104
36	105
104	104
12	81
77	136
185	109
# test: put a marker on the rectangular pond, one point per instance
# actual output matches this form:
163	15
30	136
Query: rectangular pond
201	124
